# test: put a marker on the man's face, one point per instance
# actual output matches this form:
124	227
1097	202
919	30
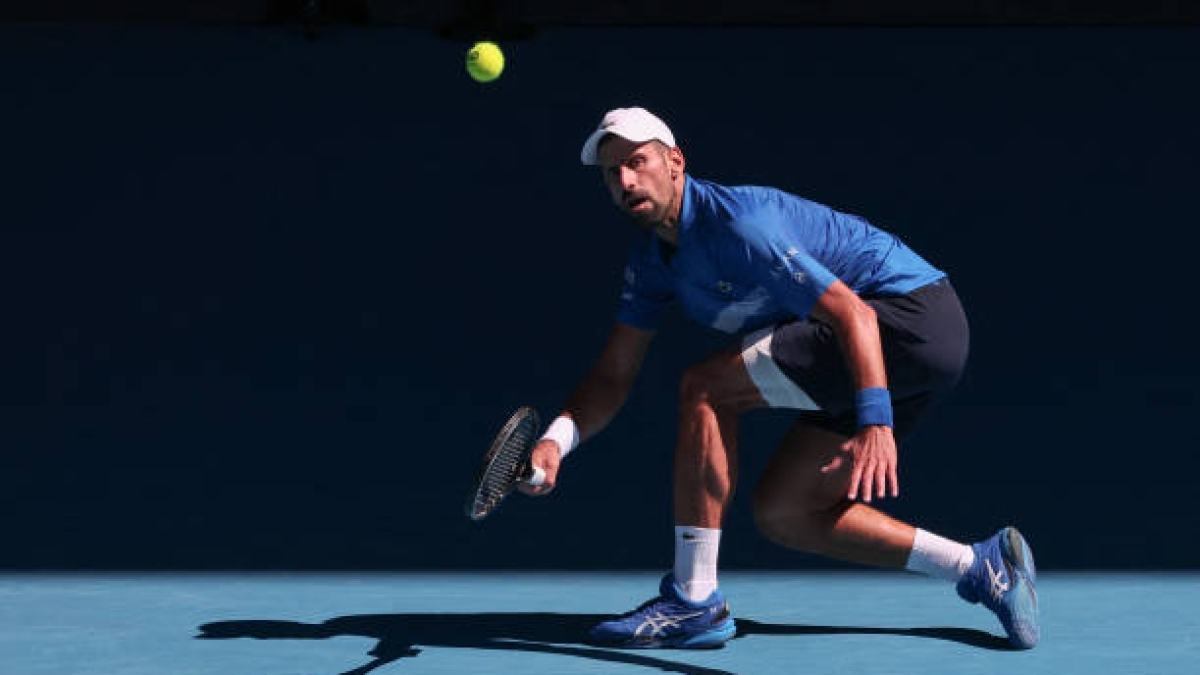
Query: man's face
642	178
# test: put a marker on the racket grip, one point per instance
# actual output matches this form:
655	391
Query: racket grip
537	478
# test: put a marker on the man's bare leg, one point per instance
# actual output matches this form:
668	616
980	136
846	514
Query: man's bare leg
799	506
712	394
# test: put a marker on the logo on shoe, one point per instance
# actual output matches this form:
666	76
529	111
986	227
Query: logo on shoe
998	580
658	623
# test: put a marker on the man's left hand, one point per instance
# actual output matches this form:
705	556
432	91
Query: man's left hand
873	453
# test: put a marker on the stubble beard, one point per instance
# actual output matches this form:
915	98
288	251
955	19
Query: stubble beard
652	220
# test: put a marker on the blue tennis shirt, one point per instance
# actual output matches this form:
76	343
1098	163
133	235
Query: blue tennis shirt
752	256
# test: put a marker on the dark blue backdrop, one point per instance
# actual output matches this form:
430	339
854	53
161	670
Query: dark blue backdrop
262	294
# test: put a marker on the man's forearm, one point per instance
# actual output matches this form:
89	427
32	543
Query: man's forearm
858	333
595	402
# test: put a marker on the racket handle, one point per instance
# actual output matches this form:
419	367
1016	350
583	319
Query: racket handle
537	478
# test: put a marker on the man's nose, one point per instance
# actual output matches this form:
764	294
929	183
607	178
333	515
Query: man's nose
628	179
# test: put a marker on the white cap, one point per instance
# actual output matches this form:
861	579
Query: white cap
633	124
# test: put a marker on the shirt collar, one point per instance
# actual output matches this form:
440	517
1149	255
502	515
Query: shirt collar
687	207
687	218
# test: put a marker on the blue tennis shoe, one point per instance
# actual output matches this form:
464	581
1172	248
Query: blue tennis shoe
1002	578
670	620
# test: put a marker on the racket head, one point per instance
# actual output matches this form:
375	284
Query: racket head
505	464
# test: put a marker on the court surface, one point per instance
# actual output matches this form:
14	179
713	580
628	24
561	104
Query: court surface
332	624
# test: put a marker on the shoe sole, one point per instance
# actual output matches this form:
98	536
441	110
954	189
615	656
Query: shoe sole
1022	628
1016	549
713	638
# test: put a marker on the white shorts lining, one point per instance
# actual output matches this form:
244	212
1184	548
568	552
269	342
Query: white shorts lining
777	389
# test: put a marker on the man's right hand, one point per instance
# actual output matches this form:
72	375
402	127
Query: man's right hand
547	456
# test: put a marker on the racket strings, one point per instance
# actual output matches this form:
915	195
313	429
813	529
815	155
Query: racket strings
504	470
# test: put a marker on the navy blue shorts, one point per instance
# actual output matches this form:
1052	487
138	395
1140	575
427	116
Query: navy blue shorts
924	335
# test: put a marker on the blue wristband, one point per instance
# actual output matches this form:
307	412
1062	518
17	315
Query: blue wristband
874	406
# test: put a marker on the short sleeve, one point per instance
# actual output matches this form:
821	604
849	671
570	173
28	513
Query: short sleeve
777	258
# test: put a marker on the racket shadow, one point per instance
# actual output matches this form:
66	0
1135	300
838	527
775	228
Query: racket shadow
399	635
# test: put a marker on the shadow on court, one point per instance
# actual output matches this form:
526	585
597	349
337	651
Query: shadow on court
546	633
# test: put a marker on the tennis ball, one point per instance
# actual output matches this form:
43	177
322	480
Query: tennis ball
485	61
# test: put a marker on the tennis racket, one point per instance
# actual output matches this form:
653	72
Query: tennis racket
506	464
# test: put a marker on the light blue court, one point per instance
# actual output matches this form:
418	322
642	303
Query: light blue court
334	624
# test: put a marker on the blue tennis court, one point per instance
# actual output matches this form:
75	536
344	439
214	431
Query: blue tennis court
331	624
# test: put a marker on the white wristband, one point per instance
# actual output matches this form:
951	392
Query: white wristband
564	432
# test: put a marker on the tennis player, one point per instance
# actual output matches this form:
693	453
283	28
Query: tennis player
839	321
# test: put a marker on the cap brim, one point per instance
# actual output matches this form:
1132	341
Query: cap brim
589	154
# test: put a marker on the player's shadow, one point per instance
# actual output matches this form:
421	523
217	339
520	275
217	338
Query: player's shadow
399	635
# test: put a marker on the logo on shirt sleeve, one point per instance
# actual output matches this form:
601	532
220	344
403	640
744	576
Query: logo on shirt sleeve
784	264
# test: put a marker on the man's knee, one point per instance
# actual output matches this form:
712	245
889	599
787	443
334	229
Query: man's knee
794	520
719	383
698	385
777	518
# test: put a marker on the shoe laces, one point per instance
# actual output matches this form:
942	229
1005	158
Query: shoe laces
645	605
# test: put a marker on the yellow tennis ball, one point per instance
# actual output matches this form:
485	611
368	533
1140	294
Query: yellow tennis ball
485	61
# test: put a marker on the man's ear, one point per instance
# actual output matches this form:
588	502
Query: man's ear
678	162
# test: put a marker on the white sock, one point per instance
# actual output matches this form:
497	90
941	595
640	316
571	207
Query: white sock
696	561
939	557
